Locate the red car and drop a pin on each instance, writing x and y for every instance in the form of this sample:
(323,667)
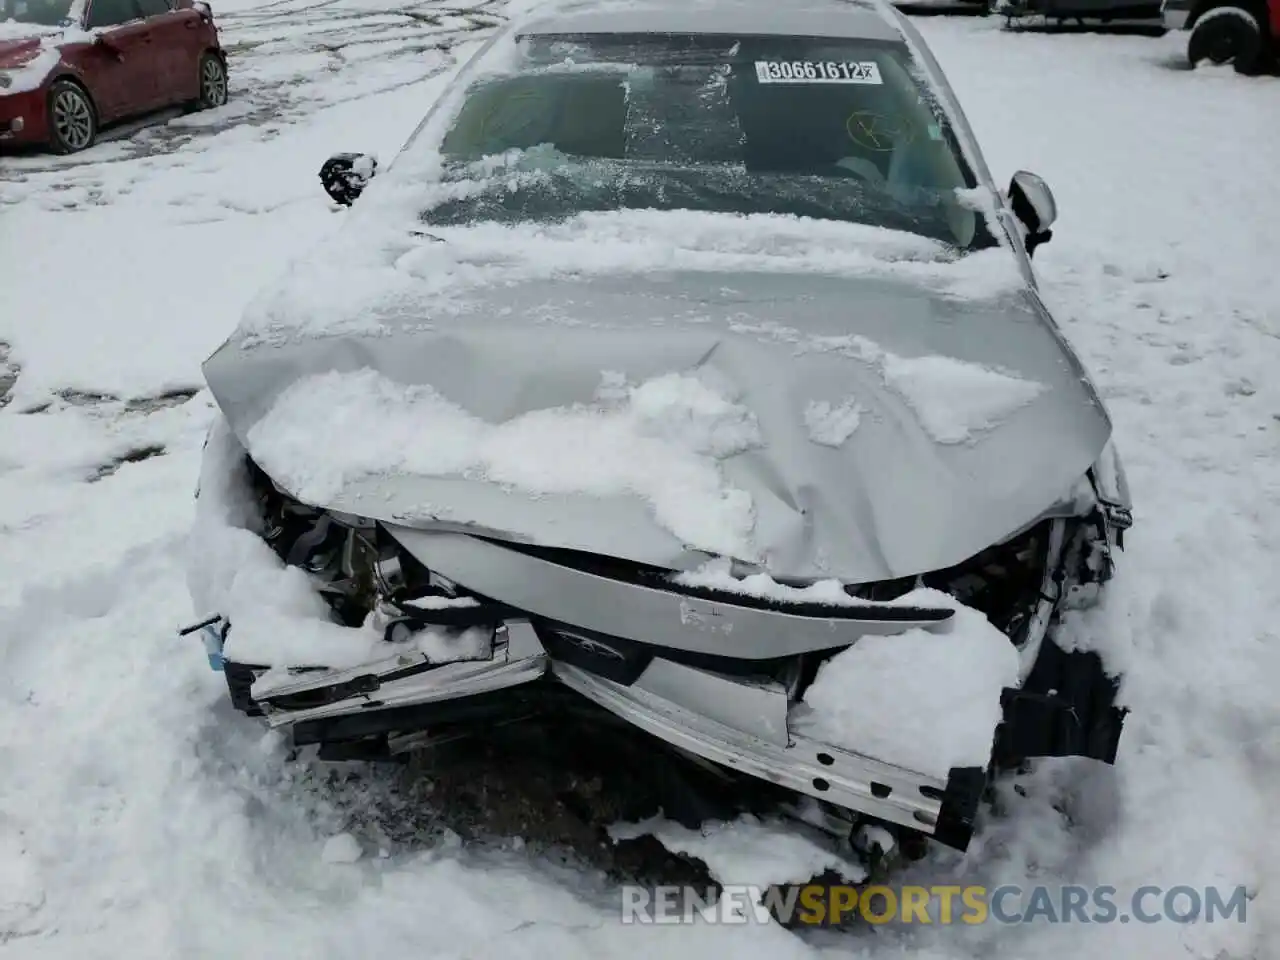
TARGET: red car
(70,67)
(1244,33)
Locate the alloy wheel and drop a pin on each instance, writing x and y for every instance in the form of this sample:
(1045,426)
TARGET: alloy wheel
(213,82)
(72,119)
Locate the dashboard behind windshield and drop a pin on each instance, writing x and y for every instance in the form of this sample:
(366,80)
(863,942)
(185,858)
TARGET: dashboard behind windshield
(831,129)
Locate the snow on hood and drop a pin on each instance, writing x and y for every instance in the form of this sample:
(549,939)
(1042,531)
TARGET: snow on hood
(30,52)
(384,264)
(665,415)
(371,277)
(660,440)
(12,32)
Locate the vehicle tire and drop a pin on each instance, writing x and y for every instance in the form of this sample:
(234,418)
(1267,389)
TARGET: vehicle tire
(213,82)
(73,119)
(1227,34)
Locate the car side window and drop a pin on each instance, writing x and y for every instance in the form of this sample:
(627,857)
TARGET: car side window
(154,8)
(108,13)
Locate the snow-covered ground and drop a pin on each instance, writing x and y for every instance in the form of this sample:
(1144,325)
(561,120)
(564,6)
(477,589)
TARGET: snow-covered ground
(140,816)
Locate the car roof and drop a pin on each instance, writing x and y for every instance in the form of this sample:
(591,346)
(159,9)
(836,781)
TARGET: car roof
(829,19)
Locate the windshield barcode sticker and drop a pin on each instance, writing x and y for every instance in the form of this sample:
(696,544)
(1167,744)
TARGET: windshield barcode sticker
(817,71)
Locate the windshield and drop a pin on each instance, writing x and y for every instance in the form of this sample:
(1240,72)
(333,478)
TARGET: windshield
(829,129)
(46,13)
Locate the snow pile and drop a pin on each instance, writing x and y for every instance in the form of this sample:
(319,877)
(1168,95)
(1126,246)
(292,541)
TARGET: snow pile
(432,602)
(750,850)
(279,619)
(341,848)
(832,424)
(445,646)
(953,399)
(277,613)
(925,699)
(928,700)
(364,648)
(661,440)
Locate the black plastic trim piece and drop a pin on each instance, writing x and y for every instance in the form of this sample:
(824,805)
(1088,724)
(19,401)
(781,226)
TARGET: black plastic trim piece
(482,614)
(656,578)
(240,677)
(1066,708)
(613,658)
(965,787)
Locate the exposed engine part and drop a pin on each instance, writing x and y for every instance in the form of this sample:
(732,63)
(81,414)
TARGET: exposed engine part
(1022,586)
(356,566)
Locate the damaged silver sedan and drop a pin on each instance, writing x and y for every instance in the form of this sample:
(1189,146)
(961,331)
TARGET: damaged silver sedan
(683,379)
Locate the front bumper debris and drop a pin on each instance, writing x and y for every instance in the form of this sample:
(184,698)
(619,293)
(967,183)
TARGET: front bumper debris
(742,724)
(706,675)
(942,808)
(516,657)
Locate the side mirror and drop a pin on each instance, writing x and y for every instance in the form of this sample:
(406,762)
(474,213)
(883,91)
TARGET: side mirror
(1033,204)
(345,175)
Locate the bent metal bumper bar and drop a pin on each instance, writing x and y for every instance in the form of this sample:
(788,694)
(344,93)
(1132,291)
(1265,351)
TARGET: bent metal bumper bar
(738,723)
(806,766)
(516,657)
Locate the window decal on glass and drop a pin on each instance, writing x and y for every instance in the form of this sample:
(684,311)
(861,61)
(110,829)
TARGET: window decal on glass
(818,71)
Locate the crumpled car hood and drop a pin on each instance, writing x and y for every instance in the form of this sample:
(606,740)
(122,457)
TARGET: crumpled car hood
(901,430)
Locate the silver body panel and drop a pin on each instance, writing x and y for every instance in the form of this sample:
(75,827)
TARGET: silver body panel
(807,766)
(632,611)
(516,658)
(889,502)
